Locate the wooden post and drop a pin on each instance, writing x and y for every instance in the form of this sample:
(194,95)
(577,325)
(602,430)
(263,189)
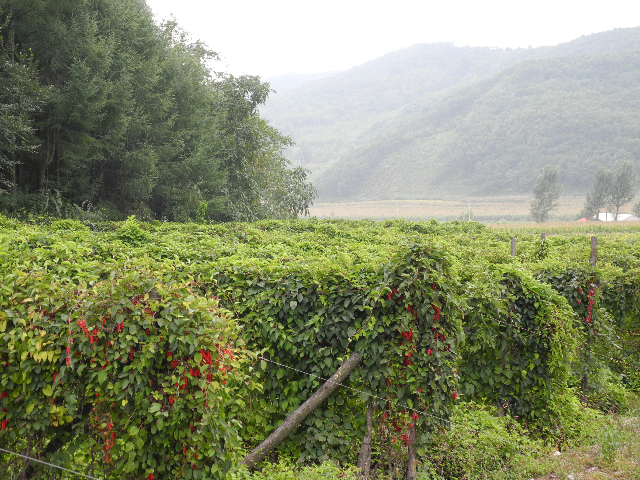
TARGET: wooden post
(411,468)
(513,246)
(293,420)
(593,259)
(543,237)
(364,459)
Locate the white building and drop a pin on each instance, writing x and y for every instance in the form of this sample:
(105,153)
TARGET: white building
(622,217)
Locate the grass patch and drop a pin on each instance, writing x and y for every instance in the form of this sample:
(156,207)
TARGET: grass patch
(512,208)
(484,446)
(607,447)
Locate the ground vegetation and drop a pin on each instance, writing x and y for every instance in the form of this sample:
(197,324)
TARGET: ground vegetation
(116,333)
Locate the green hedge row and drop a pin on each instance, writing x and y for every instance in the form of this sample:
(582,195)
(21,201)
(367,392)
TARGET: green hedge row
(438,311)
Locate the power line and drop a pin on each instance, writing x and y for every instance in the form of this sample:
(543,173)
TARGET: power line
(398,404)
(49,464)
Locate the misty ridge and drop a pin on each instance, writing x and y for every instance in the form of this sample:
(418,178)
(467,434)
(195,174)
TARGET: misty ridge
(436,120)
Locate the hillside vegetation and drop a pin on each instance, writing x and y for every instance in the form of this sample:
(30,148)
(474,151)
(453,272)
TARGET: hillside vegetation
(438,120)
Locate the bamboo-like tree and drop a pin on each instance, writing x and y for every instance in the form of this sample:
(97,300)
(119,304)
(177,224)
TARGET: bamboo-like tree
(21,97)
(610,190)
(598,194)
(546,193)
(136,120)
(623,188)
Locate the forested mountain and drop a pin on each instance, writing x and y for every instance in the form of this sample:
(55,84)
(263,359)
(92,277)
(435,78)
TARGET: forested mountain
(438,120)
(102,106)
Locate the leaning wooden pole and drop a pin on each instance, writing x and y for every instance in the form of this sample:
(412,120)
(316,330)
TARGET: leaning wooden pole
(293,420)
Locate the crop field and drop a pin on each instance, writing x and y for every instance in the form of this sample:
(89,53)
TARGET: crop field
(513,208)
(165,350)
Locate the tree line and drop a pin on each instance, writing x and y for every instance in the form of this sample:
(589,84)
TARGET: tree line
(104,109)
(610,190)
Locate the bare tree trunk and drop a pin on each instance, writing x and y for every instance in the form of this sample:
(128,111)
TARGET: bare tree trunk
(12,49)
(293,420)
(14,179)
(411,467)
(47,157)
(364,459)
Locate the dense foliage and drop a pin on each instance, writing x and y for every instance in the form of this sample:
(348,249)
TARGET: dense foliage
(199,339)
(105,110)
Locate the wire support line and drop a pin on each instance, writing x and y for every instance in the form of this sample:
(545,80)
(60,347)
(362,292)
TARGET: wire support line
(49,464)
(578,346)
(398,404)
(353,389)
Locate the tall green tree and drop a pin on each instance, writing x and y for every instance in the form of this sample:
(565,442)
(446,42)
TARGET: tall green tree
(610,190)
(546,193)
(598,194)
(623,188)
(135,119)
(21,97)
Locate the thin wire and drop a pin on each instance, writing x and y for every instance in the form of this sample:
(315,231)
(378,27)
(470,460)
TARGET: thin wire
(521,448)
(579,347)
(49,464)
(354,389)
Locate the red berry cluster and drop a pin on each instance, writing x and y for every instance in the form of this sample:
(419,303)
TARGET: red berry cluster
(398,424)
(590,294)
(436,315)
(206,357)
(408,334)
(109,437)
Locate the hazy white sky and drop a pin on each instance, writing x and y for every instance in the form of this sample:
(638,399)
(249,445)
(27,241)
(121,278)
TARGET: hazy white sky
(272,37)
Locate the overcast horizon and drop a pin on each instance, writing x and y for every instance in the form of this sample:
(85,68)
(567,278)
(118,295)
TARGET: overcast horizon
(287,36)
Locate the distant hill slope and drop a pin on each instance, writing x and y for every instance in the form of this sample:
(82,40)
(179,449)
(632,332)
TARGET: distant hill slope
(438,120)
(289,81)
(326,117)
(494,137)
